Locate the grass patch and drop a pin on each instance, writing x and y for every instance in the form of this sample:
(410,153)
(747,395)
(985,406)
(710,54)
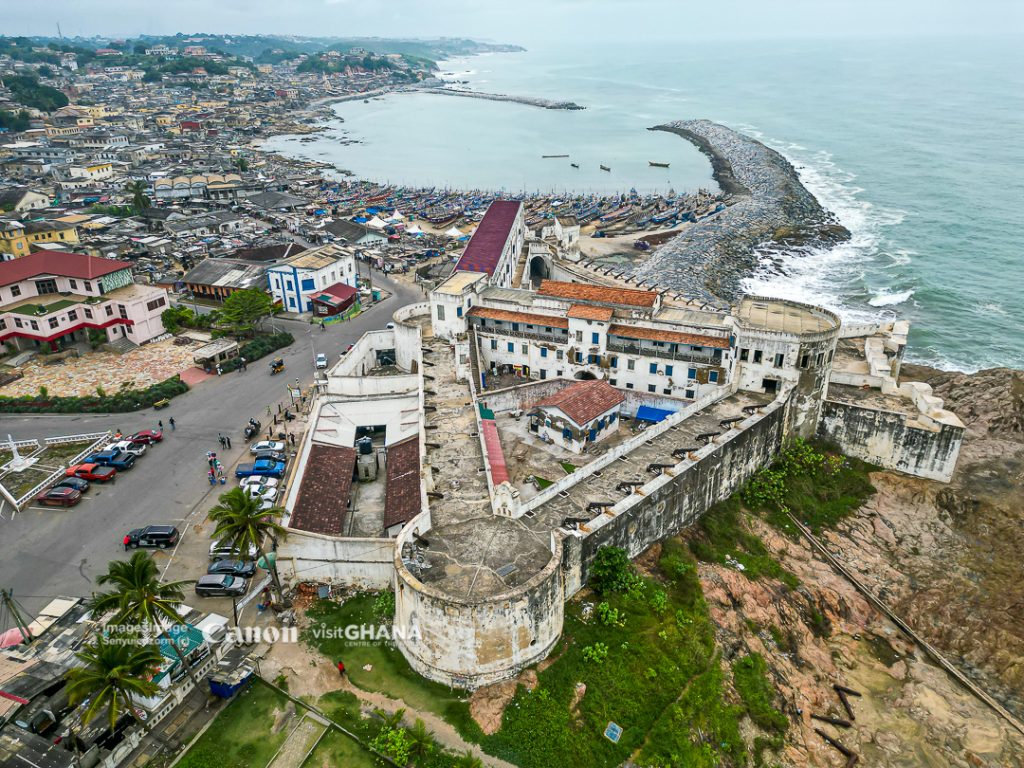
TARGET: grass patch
(391,673)
(724,536)
(20,483)
(542,482)
(750,676)
(568,467)
(241,737)
(55,455)
(335,748)
(660,675)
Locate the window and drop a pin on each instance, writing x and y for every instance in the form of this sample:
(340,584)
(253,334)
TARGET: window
(110,310)
(667,391)
(155,303)
(458,311)
(122,310)
(659,343)
(525,348)
(558,354)
(494,344)
(73,283)
(529,326)
(615,362)
(629,385)
(543,373)
(579,336)
(595,338)
(579,358)
(288,284)
(713,377)
(72,316)
(88,313)
(654,368)
(612,382)
(651,388)
(691,373)
(547,329)
(308,284)
(689,394)
(15,290)
(543,351)
(566,433)
(757,355)
(34,324)
(744,353)
(515,326)
(440,312)
(804,360)
(593,359)
(17,322)
(668,370)
(511,347)
(821,357)
(696,348)
(630,364)
(88,285)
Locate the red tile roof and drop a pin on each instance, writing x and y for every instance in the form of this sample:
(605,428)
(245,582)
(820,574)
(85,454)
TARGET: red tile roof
(484,250)
(491,313)
(656,334)
(597,293)
(495,456)
(58,263)
(584,401)
(586,312)
(402,487)
(322,505)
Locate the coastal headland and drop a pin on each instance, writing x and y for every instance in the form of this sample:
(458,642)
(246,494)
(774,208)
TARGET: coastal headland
(767,204)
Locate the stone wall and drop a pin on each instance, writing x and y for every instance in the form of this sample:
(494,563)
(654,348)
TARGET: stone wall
(892,440)
(366,563)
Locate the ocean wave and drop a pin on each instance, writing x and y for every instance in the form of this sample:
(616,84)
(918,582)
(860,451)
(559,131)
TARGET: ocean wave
(885,299)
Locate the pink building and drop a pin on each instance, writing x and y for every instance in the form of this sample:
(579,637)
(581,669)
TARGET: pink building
(55,298)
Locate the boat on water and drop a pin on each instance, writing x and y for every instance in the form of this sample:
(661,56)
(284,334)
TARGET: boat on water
(575,165)
(657,165)
(546,157)
(604,168)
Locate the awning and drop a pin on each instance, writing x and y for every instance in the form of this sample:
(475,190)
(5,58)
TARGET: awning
(653,415)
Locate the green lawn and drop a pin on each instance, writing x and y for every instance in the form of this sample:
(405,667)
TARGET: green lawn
(391,673)
(337,749)
(241,736)
(567,467)
(22,482)
(55,455)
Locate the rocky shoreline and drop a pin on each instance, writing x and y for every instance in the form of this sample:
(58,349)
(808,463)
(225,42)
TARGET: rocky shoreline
(768,205)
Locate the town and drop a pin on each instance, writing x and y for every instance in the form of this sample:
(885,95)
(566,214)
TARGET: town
(242,392)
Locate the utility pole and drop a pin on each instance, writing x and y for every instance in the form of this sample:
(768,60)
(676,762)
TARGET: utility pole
(7,604)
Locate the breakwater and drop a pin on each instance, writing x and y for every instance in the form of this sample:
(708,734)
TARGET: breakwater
(768,205)
(528,100)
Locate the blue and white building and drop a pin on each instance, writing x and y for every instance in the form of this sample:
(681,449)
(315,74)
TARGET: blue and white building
(294,281)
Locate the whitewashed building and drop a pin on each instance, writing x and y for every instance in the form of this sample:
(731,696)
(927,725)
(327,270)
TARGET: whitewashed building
(294,281)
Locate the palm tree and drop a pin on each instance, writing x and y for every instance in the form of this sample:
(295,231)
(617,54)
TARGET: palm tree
(117,671)
(391,719)
(467,760)
(140,201)
(422,741)
(139,597)
(242,523)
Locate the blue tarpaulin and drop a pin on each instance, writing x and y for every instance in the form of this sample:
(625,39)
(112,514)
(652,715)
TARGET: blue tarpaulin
(653,415)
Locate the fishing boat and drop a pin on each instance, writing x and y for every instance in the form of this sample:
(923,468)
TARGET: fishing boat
(604,168)
(575,165)
(657,165)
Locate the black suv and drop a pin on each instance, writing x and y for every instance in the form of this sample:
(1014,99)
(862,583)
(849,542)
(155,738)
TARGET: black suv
(158,536)
(243,568)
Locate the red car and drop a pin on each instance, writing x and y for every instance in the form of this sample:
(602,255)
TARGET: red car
(147,436)
(59,497)
(97,473)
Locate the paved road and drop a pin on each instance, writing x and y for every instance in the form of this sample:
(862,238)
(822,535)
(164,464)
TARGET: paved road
(50,552)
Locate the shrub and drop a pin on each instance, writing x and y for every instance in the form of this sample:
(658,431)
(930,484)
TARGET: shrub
(384,606)
(121,402)
(257,348)
(595,653)
(611,571)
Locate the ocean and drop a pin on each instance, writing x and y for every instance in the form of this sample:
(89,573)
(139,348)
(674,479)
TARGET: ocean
(916,145)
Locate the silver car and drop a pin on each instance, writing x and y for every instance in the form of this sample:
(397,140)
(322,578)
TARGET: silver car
(221,584)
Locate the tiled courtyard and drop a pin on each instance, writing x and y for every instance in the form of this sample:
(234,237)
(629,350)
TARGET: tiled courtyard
(138,368)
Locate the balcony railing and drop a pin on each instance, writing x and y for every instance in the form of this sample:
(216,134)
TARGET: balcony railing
(664,354)
(534,335)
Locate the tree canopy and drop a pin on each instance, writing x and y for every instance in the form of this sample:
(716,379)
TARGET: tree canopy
(243,310)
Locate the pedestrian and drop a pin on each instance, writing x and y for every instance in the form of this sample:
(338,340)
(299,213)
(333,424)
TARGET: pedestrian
(171,422)
(323,327)
(160,424)
(292,436)
(227,440)
(219,369)
(278,409)
(341,669)
(211,477)
(242,360)
(268,414)
(223,443)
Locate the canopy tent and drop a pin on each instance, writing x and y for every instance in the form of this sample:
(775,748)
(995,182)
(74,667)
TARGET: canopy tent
(653,415)
(376,223)
(454,232)
(396,216)
(414,230)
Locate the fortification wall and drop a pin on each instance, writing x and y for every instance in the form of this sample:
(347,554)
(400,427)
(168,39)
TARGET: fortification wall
(407,335)
(361,563)
(893,440)
(676,498)
(467,643)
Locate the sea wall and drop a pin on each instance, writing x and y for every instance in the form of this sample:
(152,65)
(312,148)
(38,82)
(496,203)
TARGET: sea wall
(893,440)
(769,204)
(528,100)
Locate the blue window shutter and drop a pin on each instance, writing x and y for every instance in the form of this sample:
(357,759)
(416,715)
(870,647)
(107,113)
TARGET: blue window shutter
(511,347)
(595,338)
(654,367)
(692,373)
(668,370)
(458,311)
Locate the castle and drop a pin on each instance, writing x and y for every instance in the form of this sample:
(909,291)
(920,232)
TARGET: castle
(478,455)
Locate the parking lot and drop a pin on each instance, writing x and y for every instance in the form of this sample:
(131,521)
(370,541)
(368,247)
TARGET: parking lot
(52,551)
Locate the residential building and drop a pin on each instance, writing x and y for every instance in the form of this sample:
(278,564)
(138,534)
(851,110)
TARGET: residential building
(583,413)
(353,233)
(56,298)
(18,199)
(18,238)
(496,244)
(218,278)
(294,281)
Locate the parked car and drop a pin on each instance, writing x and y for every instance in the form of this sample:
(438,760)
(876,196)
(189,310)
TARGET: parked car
(96,473)
(267,482)
(77,483)
(321,361)
(156,536)
(222,551)
(271,455)
(243,568)
(147,436)
(220,584)
(264,492)
(59,497)
(267,445)
(114,458)
(128,446)
(267,467)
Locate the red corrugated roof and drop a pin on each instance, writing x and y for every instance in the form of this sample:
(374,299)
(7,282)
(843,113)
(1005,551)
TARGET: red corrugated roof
(402,487)
(339,293)
(598,293)
(546,321)
(58,263)
(484,250)
(496,457)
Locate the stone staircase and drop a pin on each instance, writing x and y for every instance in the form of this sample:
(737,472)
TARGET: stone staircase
(474,363)
(120,346)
